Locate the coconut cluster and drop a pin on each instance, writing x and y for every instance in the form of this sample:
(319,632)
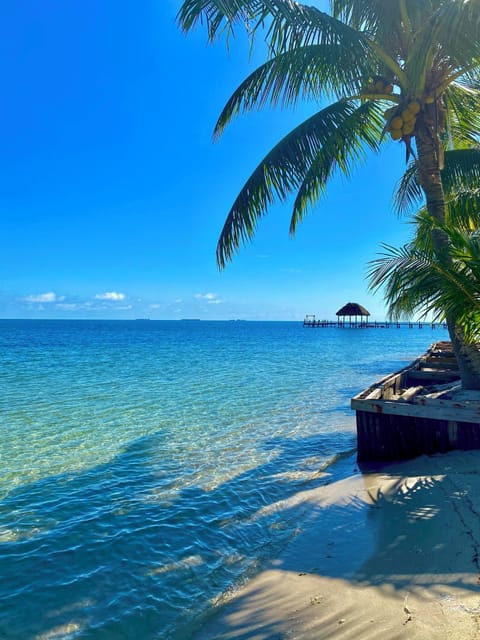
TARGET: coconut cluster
(378,85)
(401,119)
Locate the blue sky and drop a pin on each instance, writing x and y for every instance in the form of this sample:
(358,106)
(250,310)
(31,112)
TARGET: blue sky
(113,194)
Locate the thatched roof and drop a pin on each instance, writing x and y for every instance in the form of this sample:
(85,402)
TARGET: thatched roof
(353,309)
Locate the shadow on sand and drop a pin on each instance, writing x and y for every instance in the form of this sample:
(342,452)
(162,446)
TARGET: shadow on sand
(117,551)
(414,534)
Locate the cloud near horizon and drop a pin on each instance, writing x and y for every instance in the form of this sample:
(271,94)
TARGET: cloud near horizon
(110,295)
(211,298)
(50,296)
(68,306)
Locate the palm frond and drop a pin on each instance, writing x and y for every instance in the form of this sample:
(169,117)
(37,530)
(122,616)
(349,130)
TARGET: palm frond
(460,176)
(416,282)
(287,24)
(397,26)
(376,17)
(463,209)
(295,25)
(420,59)
(343,149)
(221,16)
(424,226)
(462,170)
(463,109)
(408,193)
(456,28)
(411,285)
(440,44)
(281,172)
(307,72)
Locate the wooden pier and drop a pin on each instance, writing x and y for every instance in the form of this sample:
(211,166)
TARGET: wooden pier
(418,410)
(310,322)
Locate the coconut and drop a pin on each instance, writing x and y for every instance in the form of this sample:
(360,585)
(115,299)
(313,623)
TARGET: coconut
(389,112)
(396,134)
(396,123)
(413,107)
(408,116)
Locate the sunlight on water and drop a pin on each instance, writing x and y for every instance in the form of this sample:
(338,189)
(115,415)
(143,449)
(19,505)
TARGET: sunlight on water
(147,467)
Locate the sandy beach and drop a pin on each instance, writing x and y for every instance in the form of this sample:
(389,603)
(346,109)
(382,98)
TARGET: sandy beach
(388,554)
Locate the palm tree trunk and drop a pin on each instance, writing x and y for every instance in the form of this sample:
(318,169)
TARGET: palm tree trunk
(468,356)
(429,164)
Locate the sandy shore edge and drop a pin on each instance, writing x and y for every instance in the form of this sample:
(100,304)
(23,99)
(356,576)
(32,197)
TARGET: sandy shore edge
(389,554)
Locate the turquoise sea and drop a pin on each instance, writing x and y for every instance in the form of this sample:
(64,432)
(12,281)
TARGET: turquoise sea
(148,468)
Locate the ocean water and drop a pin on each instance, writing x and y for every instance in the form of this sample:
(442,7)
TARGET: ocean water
(148,468)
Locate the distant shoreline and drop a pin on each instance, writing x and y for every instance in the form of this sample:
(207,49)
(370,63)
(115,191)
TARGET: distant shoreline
(332,323)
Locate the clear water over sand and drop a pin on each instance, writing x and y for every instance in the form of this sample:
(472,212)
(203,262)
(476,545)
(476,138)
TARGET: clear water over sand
(146,467)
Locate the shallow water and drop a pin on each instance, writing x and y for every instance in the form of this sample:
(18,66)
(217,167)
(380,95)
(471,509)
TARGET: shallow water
(148,467)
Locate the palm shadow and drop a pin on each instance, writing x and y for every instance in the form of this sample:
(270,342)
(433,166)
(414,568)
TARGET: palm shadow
(419,534)
(101,553)
(119,551)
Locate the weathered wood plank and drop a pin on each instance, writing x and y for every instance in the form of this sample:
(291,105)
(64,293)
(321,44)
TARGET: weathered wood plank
(375,394)
(434,408)
(433,364)
(418,410)
(410,393)
(435,374)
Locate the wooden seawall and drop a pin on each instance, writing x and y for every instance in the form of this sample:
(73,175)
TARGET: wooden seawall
(418,410)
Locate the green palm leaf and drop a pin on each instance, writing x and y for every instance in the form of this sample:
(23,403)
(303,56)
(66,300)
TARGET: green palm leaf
(463,109)
(460,175)
(309,72)
(463,209)
(221,16)
(408,192)
(326,135)
(367,15)
(289,24)
(416,282)
(343,149)
(456,29)
(462,170)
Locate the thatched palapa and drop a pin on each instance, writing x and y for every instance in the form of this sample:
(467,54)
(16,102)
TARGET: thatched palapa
(352,309)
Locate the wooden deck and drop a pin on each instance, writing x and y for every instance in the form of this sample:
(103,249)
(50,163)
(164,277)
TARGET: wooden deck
(311,322)
(418,410)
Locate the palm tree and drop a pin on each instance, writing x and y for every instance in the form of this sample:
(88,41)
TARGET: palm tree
(414,280)
(405,69)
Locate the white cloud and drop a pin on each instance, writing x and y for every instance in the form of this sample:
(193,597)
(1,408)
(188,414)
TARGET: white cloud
(110,295)
(42,297)
(155,306)
(68,306)
(214,302)
(206,296)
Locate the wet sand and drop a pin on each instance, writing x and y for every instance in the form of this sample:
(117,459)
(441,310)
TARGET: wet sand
(388,554)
